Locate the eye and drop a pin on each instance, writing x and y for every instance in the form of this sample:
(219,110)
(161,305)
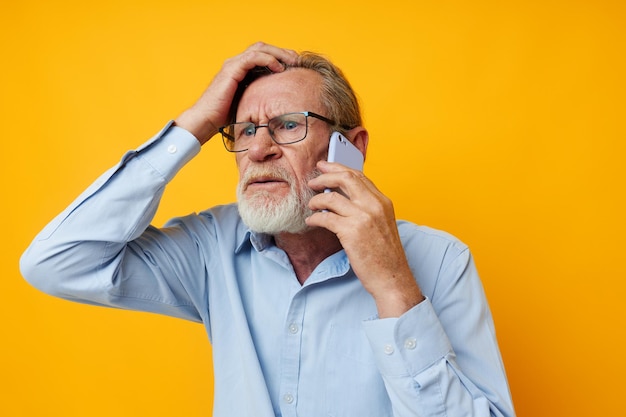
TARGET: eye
(247,131)
(289,124)
(290,127)
(286,123)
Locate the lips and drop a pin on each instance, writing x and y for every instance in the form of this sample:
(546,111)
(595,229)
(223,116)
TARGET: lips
(264,181)
(265,178)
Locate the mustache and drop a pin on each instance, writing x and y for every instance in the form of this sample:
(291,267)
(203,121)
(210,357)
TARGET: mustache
(255,172)
(273,172)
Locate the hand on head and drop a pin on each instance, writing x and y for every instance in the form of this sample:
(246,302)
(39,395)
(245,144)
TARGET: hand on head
(212,108)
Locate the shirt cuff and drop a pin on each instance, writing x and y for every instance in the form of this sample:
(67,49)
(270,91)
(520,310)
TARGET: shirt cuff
(169,150)
(409,344)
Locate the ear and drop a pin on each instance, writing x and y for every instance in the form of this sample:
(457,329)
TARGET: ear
(359,138)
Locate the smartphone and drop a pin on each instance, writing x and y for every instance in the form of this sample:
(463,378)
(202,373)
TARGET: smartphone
(342,151)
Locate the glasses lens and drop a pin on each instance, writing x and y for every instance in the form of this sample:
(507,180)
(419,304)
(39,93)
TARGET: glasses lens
(238,135)
(288,128)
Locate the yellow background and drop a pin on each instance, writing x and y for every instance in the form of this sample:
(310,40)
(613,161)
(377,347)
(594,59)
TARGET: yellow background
(502,122)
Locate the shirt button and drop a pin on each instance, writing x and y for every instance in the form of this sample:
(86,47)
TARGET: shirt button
(288,398)
(410,343)
(172,149)
(388,349)
(293,328)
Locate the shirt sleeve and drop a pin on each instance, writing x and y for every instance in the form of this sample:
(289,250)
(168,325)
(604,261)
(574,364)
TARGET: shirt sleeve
(92,251)
(441,358)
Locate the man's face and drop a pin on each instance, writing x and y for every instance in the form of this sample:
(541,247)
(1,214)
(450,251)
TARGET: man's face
(272,192)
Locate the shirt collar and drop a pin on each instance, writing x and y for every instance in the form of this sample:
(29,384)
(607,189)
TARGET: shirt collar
(336,265)
(260,241)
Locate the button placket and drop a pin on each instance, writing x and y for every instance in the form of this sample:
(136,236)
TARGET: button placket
(290,363)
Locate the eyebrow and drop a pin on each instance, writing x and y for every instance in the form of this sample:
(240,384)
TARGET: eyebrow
(257,121)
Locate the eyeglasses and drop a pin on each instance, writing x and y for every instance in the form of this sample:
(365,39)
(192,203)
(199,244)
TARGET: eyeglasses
(284,130)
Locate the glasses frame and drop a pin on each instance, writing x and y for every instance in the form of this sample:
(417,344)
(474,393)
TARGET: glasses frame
(228,138)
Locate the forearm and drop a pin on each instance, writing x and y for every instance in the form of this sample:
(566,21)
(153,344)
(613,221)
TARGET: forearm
(114,210)
(441,357)
(418,364)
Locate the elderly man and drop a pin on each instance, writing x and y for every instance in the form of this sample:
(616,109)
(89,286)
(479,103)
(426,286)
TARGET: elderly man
(315,303)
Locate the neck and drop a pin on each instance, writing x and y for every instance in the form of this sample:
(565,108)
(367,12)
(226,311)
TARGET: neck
(307,250)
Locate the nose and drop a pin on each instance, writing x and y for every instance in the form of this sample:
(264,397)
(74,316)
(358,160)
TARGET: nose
(263,148)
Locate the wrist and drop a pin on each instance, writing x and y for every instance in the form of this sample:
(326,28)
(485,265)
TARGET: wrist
(397,302)
(202,128)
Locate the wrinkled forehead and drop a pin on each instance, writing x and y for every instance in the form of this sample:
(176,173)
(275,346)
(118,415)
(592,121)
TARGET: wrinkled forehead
(261,84)
(295,89)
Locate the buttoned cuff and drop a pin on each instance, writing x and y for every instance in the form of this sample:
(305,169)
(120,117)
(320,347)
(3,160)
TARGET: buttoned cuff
(169,150)
(407,345)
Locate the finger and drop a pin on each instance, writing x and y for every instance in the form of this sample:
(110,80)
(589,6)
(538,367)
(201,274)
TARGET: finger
(321,219)
(347,180)
(330,220)
(326,168)
(269,56)
(285,55)
(332,201)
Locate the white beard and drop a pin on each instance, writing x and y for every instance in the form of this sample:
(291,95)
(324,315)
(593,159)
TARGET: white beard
(264,212)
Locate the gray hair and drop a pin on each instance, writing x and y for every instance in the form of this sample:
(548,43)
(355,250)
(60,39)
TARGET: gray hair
(337,96)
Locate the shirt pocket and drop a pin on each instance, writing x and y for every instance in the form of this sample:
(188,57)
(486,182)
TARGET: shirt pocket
(354,386)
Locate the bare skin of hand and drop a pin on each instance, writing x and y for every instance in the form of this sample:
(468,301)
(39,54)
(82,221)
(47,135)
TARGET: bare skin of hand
(366,216)
(211,110)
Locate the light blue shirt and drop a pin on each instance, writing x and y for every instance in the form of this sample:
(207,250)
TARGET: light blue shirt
(279,348)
